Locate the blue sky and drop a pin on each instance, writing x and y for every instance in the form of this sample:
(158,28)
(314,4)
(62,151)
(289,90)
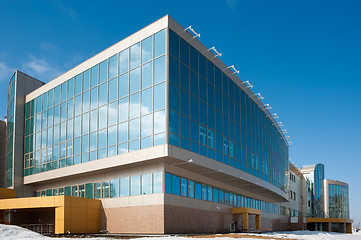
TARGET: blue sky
(302,56)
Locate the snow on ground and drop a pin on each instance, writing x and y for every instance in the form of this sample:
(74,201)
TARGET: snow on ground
(11,232)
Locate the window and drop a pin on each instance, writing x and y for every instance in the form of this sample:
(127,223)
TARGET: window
(147,184)
(124,186)
(135,185)
(175,185)
(184,187)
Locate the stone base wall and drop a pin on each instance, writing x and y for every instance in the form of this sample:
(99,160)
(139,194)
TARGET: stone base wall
(139,219)
(169,219)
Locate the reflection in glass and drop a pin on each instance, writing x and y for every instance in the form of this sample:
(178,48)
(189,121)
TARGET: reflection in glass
(147,184)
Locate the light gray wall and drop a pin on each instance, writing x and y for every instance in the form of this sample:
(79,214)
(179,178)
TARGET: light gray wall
(24,85)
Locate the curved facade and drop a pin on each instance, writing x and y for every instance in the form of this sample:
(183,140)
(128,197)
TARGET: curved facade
(338,202)
(211,115)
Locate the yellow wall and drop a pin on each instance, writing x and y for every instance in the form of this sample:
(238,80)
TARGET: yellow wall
(7,193)
(73,214)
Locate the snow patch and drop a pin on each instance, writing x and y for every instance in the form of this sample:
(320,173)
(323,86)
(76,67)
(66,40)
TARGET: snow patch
(11,232)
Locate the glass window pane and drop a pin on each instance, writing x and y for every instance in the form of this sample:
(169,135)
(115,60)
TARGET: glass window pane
(174,97)
(103,71)
(74,191)
(112,136)
(112,113)
(86,101)
(45,101)
(147,184)
(203,134)
(124,187)
(173,44)
(93,141)
(89,190)
(86,80)
(51,98)
(123,109)
(159,43)
(204,192)
(184,187)
(113,90)
(103,114)
(124,61)
(67,191)
(71,88)
(173,122)
(184,126)
(175,185)
(94,120)
(123,132)
(147,101)
(105,189)
(135,185)
(159,70)
(78,105)
(85,143)
(123,86)
(168,183)
(174,71)
(184,51)
(147,75)
(97,190)
(56,95)
(134,80)
(114,188)
(102,138)
(94,76)
(190,189)
(157,182)
(147,49)
(198,191)
(103,94)
(94,98)
(113,66)
(159,122)
(135,55)
(215,195)
(78,84)
(63,92)
(134,129)
(146,142)
(159,99)
(134,110)
(147,125)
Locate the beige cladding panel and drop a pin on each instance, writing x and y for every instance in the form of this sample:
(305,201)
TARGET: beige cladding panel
(140,158)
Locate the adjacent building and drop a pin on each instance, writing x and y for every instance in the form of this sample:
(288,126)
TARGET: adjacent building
(327,201)
(165,135)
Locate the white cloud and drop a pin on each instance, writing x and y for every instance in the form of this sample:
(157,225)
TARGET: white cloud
(41,69)
(5,72)
(47,46)
(232,4)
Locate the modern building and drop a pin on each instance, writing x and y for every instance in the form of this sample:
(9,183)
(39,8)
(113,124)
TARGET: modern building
(162,132)
(327,201)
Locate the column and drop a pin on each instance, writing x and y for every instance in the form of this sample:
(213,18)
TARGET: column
(245,221)
(258,222)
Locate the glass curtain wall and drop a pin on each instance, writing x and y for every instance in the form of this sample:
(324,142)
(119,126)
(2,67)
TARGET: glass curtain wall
(10,132)
(318,203)
(338,201)
(210,115)
(108,109)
